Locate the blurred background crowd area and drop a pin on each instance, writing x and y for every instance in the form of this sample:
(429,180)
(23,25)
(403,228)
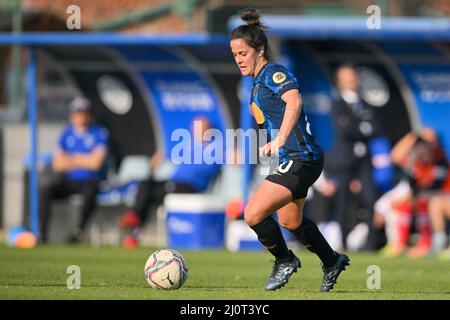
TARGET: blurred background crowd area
(142,93)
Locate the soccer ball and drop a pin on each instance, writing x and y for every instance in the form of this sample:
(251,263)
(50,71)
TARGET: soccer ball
(166,269)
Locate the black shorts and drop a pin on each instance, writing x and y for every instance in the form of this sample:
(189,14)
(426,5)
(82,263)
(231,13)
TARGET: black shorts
(297,175)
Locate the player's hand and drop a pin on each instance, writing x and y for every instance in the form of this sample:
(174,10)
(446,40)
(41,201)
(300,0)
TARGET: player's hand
(265,150)
(272,147)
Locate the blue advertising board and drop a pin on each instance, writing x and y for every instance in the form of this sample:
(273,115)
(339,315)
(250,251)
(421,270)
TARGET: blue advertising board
(430,87)
(177,89)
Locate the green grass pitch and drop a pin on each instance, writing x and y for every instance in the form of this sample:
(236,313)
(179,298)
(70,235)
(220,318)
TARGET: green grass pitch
(115,273)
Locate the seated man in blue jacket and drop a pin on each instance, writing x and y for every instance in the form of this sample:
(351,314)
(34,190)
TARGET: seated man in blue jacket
(78,160)
(186,178)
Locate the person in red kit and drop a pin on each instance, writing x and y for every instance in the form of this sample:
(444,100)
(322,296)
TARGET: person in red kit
(425,166)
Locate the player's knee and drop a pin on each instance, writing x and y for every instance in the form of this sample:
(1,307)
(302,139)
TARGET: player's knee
(291,225)
(251,215)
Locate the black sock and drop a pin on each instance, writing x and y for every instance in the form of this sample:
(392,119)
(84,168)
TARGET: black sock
(310,236)
(269,234)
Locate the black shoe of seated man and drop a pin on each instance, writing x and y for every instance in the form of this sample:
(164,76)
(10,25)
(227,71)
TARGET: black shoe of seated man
(281,272)
(331,274)
(76,237)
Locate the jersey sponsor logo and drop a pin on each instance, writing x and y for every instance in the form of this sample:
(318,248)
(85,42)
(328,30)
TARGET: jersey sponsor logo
(257,113)
(278,77)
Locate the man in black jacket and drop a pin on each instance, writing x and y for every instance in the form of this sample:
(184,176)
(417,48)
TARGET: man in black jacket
(348,163)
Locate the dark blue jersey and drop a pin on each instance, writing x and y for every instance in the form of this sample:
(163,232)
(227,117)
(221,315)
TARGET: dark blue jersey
(268,109)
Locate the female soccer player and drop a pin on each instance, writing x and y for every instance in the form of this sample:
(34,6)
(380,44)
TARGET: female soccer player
(276,104)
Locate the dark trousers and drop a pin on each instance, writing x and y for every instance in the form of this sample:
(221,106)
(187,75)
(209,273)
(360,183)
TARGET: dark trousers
(342,201)
(62,188)
(152,192)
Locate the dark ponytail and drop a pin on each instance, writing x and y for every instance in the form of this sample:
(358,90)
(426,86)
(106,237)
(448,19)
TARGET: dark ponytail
(252,17)
(253,33)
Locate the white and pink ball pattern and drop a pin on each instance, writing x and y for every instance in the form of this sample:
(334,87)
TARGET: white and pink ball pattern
(166,269)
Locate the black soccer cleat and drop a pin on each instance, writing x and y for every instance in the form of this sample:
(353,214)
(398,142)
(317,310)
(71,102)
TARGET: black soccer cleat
(281,272)
(331,274)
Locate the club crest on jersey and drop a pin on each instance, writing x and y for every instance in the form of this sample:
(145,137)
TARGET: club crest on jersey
(278,77)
